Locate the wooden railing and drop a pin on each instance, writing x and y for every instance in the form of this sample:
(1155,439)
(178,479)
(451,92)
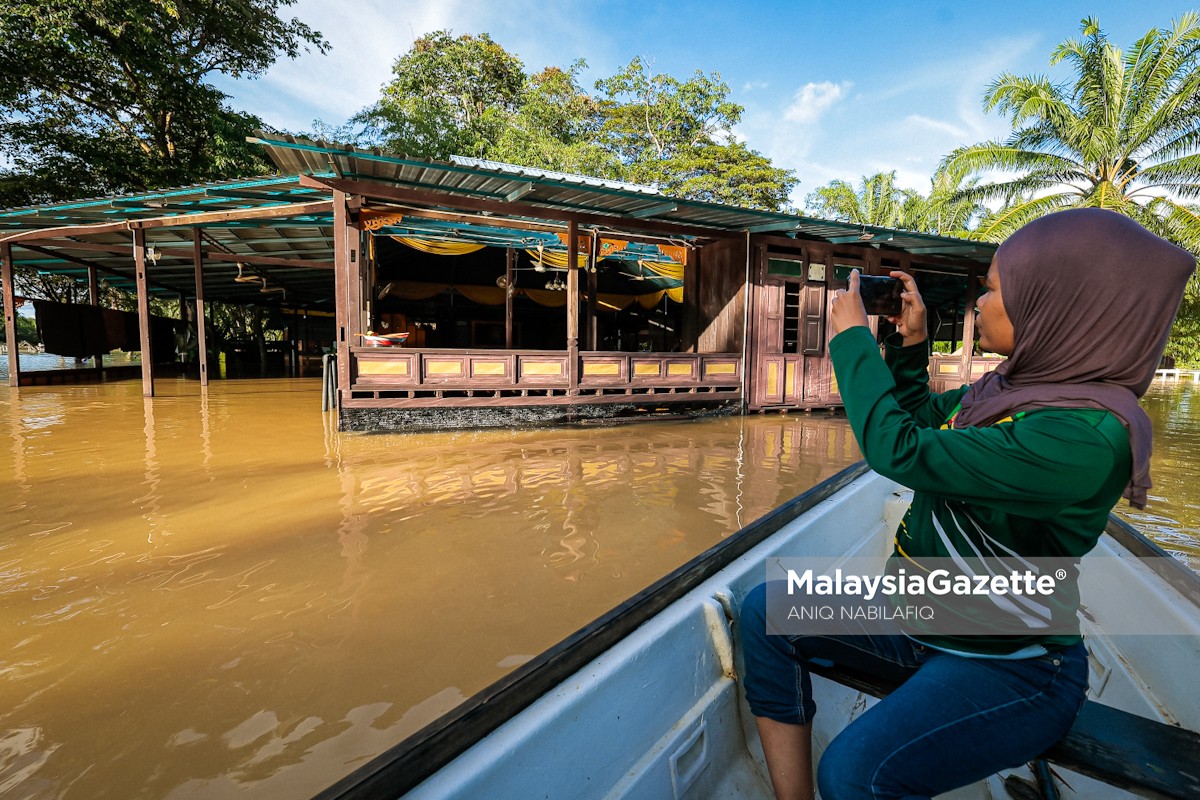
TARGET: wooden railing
(946,371)
(426,377)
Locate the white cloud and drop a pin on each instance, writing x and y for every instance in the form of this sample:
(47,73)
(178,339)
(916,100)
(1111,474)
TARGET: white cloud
(365,38)
(754,86)
(937,125)
(812,100)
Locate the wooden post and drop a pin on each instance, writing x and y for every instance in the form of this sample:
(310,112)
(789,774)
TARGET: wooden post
(346,291)
(572,308)
(593,283)
(94,300)
(691,302)
(93,286)
(10,315)
(201,334)
(968,331)
(510,260)
(143,302)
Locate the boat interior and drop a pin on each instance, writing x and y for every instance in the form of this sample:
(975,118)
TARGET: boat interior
(658,713)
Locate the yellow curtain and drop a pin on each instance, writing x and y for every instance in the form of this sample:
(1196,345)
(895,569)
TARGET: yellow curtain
(412,290)
(545,297)
(439,248)
(557,260)
(613,302)
(484,295)
(665,269)
(649,301)
(494,296)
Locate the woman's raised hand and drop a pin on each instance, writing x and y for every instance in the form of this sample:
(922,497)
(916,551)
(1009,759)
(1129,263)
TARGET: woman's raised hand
(910,323)
(846,308)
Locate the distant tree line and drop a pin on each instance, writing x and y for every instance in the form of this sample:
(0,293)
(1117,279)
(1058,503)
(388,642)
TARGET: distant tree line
(468,96)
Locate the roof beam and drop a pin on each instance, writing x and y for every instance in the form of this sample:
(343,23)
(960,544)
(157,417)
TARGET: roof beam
(266,261)
(946,249)
(497,222)
(610,221)
(209,255)
(655,210)
(260,212)
(775,226)
(93,265)
(519,192)
(201,218)
(858,238)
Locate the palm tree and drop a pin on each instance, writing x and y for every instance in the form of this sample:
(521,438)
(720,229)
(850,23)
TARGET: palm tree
(1125,136)
(876,201)
(948,209)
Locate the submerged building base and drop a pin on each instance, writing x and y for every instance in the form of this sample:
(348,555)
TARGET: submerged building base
(372,420)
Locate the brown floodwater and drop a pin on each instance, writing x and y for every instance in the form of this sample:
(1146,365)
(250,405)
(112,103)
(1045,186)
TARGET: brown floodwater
(217,595)
(1172,517)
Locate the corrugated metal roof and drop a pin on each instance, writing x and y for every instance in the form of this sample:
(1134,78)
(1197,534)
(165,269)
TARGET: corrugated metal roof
(309,236)
(491,180)
(565,177)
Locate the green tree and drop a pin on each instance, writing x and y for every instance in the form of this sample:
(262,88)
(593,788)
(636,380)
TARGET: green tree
(1124,136)
(101,96)
(947,210)
(557,127)
(677,135)
(26,330)
(876,201)
(449,96)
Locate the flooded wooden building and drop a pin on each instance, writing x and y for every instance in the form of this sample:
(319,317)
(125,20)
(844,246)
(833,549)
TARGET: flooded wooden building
(476,294)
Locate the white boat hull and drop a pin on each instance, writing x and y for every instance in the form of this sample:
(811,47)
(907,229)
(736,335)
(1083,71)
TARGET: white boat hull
(659,715)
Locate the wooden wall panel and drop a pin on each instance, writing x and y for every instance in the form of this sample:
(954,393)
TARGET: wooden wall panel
(721,301)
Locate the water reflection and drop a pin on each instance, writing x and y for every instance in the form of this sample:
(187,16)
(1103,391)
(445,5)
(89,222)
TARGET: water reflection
(1172,517)
(215,592)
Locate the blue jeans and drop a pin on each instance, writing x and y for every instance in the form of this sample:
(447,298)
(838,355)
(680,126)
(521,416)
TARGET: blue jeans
(953,721)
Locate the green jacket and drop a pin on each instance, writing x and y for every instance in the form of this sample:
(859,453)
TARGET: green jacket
(1040,483)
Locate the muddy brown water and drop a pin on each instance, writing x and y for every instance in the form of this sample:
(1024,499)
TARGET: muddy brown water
(216,595)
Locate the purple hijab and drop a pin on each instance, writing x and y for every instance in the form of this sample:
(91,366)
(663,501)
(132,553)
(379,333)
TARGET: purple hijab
(1091,295)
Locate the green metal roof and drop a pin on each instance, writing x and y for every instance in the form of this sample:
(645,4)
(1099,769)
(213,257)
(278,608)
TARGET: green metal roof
(308,236)
(628,204)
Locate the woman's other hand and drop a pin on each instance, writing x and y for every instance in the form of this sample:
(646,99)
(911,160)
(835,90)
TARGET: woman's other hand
(911,322)
(846,310)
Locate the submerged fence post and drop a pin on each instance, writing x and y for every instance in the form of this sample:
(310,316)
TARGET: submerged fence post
(329,381)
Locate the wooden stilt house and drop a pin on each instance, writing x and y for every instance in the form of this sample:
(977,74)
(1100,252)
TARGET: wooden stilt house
(476,294)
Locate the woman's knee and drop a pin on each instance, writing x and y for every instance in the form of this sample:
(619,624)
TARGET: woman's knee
(842,773)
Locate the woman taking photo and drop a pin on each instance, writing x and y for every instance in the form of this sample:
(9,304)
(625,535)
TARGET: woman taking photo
(1028,460)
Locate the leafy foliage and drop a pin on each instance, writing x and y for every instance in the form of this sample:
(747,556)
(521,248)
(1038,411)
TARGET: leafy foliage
(557,127)
(466,95)
(450,96)
(26,330)
(677,135)
(1184,344)
(101,96)
(876,201)
(948,209)
(1124,136)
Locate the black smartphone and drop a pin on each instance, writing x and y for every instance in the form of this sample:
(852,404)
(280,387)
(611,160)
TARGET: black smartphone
(881,294)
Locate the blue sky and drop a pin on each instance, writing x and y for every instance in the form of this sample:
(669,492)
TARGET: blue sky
(830,89)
